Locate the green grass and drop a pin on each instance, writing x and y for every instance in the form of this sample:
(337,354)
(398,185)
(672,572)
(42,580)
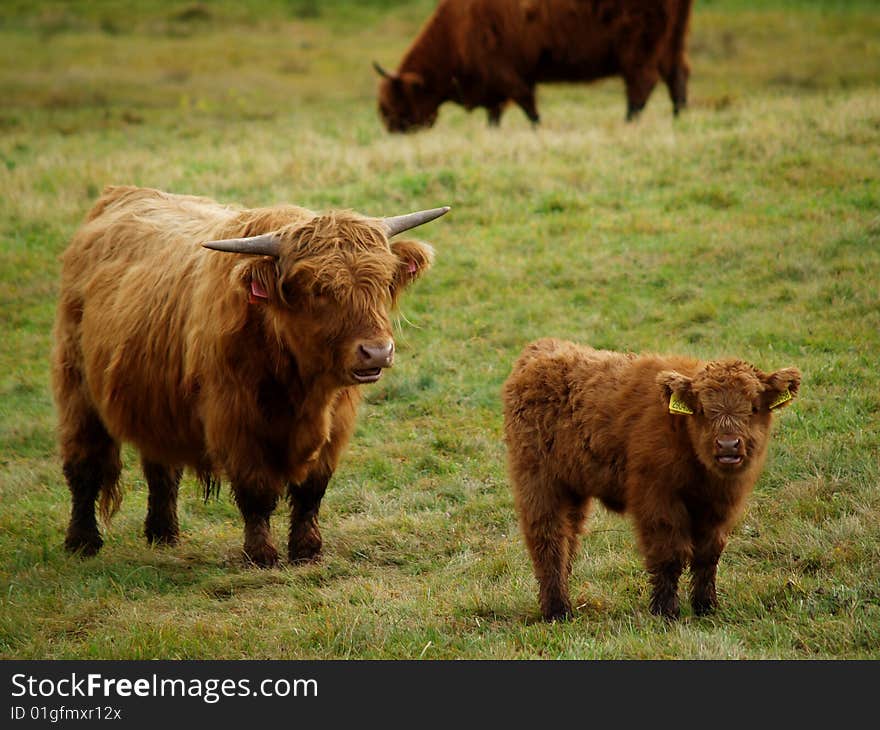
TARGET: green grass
(749,227)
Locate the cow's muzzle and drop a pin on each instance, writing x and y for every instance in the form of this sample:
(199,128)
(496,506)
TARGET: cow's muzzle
(729,451)
(372,359)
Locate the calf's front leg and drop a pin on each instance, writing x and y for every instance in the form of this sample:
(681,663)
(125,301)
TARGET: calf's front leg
(664,586)
(664,536)
(704,566)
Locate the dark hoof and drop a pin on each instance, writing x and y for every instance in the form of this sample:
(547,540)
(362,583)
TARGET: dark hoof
(557,612)
(633,112)
(84,545)
(305,547)
(162,539)
(161,531)
(669,610)
(262,556)
(552,618)
(704,608)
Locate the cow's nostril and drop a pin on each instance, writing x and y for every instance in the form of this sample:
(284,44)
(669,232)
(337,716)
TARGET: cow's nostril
(728,444)
(373,356)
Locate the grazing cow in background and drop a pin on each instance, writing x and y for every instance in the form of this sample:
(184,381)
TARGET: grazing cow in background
(677,443)
(486,52)
(242,362)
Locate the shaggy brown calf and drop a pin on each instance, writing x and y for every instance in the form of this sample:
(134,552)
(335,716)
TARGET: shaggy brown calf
(675,442)
(486,52)
(242,362)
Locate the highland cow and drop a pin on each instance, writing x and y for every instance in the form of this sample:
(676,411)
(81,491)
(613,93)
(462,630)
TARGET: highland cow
(483,53)
(675,442)
(231,341)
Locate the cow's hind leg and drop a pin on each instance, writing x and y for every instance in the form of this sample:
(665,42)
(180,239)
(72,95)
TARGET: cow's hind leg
(304,543)
(91,467)
(160,526)
(256,506)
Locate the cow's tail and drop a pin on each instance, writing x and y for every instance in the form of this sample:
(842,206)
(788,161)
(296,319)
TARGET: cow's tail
(210,482)
(109,499)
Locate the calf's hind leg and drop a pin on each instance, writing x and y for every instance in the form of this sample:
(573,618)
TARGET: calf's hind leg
(161,526)
(547,525)
(578,511)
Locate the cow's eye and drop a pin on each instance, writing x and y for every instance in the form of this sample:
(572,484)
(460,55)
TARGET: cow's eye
(754,410)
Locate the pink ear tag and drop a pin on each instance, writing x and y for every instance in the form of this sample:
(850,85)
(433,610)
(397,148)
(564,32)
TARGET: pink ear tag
(257,293)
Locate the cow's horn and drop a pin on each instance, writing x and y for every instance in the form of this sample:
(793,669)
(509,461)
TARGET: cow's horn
(400,223)
(265,244)
(381,71)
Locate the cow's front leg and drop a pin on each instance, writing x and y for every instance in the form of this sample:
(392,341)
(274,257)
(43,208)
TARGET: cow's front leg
(305,498)
(256,505)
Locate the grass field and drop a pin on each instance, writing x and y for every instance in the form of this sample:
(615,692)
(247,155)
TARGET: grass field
(749,227)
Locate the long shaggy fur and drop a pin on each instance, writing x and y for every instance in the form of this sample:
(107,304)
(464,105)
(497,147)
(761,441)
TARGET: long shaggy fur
(486,52)
(156,343)
(582,423)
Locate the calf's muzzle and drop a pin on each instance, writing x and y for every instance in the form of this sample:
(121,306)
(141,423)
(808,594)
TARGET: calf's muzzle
(372,358)
(729,450)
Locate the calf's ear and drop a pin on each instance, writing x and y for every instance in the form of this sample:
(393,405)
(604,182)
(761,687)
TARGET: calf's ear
(780,388)
(678,396)
(412,259)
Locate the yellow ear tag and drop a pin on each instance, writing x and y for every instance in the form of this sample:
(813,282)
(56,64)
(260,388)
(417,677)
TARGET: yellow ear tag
(780,399)
(677,405)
